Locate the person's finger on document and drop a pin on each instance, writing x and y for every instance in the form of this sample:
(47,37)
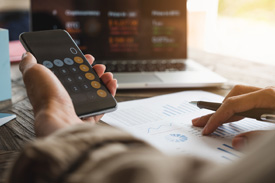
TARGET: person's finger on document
(264,98)
(230,106)
(236,90)
(202,121)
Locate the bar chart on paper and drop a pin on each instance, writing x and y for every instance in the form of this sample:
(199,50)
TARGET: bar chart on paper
(165,123)
(183,108)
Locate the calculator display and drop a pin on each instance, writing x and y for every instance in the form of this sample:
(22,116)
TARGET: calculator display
(57,51)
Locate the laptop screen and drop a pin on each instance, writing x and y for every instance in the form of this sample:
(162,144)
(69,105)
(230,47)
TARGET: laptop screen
(118,29)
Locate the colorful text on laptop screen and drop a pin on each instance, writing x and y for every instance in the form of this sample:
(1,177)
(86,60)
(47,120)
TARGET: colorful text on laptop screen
(118,29)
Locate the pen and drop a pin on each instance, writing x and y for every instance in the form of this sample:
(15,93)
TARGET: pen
(261,114)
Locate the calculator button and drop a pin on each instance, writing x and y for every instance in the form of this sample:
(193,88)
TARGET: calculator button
(86,87)
(84,68)
(73,50)
(75,89)
(95,84)
(91,96)
(78,60)
(74,69)
(68,61)
(48,64)
(63,71)
(58,63)
(79,78)
(101,93)
(78,98)
(90,76)
(69,79)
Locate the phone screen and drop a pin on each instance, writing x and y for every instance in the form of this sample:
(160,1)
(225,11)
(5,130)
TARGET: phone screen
(57,51)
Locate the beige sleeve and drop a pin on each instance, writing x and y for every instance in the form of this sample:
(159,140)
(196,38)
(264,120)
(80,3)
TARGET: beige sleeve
(257,166)
(86,154)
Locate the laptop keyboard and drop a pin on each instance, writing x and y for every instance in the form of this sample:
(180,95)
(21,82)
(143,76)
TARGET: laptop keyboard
(144,66)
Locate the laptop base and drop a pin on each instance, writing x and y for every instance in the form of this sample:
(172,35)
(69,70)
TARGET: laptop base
(194,77)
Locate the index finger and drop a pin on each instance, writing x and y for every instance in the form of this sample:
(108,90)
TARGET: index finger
(258,99)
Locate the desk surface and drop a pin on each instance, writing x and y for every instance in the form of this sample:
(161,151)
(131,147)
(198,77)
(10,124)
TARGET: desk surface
(17,132)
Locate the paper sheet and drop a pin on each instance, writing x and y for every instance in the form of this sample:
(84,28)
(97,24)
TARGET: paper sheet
(165,122)
(4,118)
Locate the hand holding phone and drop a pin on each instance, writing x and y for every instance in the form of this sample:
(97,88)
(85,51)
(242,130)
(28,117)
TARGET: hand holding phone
(57,51)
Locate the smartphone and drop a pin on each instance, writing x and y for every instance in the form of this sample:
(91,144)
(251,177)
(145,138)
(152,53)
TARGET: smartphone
(56,50)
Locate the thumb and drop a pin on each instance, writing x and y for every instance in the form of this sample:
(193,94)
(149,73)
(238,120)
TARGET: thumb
(27,62)
(244,140)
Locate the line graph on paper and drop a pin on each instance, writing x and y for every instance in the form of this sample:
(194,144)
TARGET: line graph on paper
(152,130)
(166,123)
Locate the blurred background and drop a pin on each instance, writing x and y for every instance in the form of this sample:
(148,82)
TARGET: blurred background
(238,28)
(14,16)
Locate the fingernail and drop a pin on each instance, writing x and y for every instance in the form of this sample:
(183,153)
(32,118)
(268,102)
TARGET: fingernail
(239,143)
(24,55)
(195,121)
(205,131)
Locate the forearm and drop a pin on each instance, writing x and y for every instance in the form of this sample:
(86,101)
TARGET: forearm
(86,153)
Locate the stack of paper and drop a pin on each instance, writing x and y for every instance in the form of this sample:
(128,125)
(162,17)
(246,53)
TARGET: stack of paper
(165,122)
(4,118)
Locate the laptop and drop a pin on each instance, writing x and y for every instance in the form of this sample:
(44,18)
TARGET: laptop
(143,42)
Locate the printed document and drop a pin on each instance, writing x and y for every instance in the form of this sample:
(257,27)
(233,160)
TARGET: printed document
(4,118)
(165,122)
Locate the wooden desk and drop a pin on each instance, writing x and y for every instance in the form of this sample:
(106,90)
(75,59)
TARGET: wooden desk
(16,133)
